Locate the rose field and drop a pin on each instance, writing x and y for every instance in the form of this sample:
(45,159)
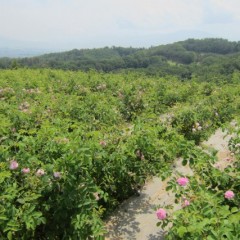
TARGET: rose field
(74,145)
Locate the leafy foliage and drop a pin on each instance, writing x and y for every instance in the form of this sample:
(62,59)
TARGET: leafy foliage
(90,140)
(210,202)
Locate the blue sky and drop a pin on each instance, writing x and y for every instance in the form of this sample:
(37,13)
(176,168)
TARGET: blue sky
(67,24)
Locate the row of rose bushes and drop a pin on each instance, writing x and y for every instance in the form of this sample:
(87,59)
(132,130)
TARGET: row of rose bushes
(81,143)
(210,200)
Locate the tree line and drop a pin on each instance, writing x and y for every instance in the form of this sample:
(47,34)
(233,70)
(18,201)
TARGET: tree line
(185,59)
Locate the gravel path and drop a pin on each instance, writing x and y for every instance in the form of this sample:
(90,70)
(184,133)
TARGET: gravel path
(136,218)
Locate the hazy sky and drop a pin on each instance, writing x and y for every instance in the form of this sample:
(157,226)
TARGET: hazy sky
(70,24)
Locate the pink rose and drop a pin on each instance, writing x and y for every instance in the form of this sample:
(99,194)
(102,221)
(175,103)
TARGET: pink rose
(186,203)
(57,174)
(161,213)
(40,172)
(103,143)
(13,165)
(26,170)
(229,194)
(182,181)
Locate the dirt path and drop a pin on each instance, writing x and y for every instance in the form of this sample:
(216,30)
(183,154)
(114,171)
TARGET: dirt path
(219,141)
(136,218)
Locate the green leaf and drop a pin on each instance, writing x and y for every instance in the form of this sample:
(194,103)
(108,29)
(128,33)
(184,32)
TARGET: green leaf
(181,231)
(228,234)
(21,200)
(234,209)
(214,233)
(210,238)
(4,175)
(234,218)
(168,187)
(191,161)
(9,235)
(184,162)
(4,218)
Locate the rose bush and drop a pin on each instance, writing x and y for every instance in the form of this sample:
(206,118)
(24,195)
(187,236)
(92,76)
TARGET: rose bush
(209,209)
(74,145)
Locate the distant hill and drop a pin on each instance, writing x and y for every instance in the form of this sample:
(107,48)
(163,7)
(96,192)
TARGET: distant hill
(21,53)
(13,48)
(184,58)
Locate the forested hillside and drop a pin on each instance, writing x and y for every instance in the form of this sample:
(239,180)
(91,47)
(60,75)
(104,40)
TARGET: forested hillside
(184,59)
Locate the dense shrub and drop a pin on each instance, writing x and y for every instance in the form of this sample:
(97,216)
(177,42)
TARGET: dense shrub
(74,145)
